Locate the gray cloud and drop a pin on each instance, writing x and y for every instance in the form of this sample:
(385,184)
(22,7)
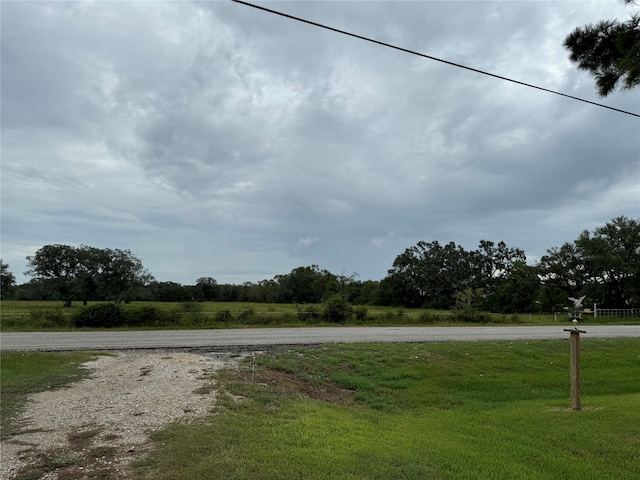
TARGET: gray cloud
(213,139)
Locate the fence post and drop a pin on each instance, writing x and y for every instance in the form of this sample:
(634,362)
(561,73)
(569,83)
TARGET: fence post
(575,366)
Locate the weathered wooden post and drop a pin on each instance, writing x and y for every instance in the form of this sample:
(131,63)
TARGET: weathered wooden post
(575,366)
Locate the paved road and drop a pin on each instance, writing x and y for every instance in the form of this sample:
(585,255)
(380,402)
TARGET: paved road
(261,337)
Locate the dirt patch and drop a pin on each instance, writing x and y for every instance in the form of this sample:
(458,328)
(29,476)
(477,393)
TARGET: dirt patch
(95,428)
(288,384)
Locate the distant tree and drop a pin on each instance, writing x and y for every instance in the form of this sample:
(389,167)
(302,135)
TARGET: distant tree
(368,293)
(58,266)
(170,292)
(231,293)
(86,272)
(7,281)
(604,265)
(517,292)
(302,285)
(264,291)
(208,288)
(492,263)
(121,273)
(611,258)
(35,289)
(609,51)
(428,275)
(562,271)
(470,299)
(431,275)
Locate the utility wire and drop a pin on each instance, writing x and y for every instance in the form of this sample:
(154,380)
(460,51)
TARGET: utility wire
(291,17)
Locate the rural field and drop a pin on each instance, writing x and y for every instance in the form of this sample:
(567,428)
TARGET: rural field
(18,315)
(473,410)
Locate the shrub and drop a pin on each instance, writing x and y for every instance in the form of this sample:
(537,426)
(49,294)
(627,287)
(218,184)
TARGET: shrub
(427,318)
(104,315)
(246,315)
(147,317)
(361,313)
(50,318)
(471,316)
(337,310)
(307,313)
(224,316)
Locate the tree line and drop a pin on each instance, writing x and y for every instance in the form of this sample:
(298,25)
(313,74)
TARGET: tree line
(604,265)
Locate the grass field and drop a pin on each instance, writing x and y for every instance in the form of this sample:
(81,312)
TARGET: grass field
(470,410)
(438,411)
(50,316)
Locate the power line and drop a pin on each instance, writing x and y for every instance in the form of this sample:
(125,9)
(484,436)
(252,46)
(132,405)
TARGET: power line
(412,52)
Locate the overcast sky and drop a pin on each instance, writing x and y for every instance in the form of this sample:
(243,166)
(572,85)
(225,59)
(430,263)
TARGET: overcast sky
(214,139)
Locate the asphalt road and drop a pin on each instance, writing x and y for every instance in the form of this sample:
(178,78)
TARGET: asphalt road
(262,337)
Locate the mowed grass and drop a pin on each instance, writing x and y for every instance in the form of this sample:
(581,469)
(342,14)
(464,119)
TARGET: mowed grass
(22,373)
(481,410)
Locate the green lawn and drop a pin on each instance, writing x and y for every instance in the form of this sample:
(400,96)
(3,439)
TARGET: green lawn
(404,411)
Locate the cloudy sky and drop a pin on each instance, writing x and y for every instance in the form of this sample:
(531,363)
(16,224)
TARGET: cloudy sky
(214,139)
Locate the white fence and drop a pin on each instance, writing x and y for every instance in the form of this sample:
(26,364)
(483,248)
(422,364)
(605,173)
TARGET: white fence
(616,312)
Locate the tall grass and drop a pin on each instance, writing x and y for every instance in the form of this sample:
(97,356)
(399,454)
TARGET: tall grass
(445,411)
(49,316)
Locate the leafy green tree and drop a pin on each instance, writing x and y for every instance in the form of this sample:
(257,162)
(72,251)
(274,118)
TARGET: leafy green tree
(603,265)
(230,293)
(368,293)
(121,272)
(470,299)
(429,274)
(87,272)
(207,289)
(58,266)
(492,263)
(517,292)
(304,285)
(562,270)
(609,51)
(611,258)
(7,281)
(170,292)
(264,291)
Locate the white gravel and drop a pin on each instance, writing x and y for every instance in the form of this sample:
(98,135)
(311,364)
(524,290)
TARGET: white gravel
(127,396)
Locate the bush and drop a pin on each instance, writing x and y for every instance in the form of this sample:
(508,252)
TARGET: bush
(337,310)
(429,318)
(51,318)
(361,313)
(147,317)
(247,315)
(471,316)
(104,315)
(224,316)
(307,313)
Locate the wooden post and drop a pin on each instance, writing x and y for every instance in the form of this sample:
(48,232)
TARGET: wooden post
(575,366)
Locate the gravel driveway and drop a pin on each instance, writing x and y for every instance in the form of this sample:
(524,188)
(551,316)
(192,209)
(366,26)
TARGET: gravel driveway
(101,423)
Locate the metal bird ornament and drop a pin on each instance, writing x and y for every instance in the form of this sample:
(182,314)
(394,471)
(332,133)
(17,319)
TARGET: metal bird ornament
(577,302)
